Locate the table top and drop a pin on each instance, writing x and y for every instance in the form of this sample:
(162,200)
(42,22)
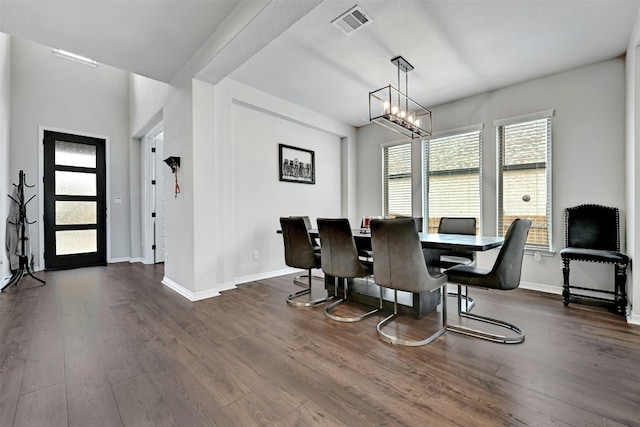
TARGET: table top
(460,242)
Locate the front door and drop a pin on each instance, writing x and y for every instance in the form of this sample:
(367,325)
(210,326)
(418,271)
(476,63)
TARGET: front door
(75,210)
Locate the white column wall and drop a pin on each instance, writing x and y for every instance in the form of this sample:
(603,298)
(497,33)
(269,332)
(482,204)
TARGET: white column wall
(5,119)
(179,211)
(633,169)
(239,196)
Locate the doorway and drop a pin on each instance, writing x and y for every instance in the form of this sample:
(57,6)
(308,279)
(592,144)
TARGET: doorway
(153,185)
(75,210)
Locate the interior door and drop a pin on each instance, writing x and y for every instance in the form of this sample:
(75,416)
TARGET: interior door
(159,167)
(75,211)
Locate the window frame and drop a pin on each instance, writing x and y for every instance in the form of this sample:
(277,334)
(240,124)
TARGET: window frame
(385,199)
(548,165)
(426,174)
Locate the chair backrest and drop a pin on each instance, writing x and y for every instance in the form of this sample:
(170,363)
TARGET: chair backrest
(398,259)
(592,227)
(416,219)
(457,225)
(338,249)
(507,269)
(307,222)
(298,249)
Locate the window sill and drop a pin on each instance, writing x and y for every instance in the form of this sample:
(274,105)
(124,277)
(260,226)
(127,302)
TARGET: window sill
(541,252)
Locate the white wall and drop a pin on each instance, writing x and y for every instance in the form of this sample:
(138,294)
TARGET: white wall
(52,92)
(179,211)
(237,195)
(149,102)
(588,154)
(5,118)
(263,198)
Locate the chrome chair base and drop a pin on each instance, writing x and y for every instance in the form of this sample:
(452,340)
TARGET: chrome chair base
(291,298)
(298,280)
(468,302)
(519,338)
(357,318)
(411,343)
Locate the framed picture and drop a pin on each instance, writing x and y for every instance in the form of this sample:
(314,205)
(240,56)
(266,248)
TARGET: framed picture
(297,165)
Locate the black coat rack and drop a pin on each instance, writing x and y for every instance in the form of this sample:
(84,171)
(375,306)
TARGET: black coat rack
(21,225)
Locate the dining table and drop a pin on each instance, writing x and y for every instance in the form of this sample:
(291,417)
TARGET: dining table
(415,304)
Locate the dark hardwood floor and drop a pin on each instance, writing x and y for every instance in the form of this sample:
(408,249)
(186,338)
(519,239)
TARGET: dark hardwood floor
(113,346)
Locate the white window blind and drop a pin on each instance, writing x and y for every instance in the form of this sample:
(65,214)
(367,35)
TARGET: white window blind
(524,181)
(452,177)
(397,180)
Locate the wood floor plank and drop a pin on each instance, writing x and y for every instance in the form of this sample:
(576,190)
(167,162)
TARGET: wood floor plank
(140,404)
(45,360)
(114,346)
(90,400)
(18,305)
(311,414)
(44,407)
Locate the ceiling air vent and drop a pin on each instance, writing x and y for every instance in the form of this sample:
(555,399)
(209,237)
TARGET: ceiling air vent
(352,20)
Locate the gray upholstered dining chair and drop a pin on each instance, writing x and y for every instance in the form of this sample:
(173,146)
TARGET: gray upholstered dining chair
(456,225)
(417,219)
(504,275)
(399,264)
(340,260)
(299,253)
(307,223)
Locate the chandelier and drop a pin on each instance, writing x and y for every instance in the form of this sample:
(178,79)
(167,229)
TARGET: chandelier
(393,109)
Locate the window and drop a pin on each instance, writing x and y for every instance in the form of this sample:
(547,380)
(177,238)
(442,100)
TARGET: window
(524,175)
(397,179)
(452,176)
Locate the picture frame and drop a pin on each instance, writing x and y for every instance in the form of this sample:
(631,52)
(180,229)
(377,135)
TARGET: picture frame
(296,165)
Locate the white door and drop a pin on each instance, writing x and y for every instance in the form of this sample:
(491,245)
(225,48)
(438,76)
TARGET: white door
(154,169)
(160,171)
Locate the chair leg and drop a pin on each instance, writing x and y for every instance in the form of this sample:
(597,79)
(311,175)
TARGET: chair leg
(412,343)
(621,289)
(357,318)
(303,280)
(291,298)
(519,338)
(468,301)
(566,293)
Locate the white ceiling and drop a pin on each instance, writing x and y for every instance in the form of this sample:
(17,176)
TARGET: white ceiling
(147,37)
(458,48)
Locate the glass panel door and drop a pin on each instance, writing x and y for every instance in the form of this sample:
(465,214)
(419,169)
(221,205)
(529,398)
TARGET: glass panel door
(75,205)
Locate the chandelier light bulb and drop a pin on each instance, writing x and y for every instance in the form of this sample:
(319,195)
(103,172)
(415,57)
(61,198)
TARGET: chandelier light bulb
(403,114)
(385,107)
(394,109)
(416,122)
(410,118)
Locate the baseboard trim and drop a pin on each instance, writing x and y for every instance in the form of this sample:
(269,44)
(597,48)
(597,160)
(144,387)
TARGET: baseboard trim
(549,289)
(195,296)
(134,260)
(117,260)
(266,275)
(633,319)
(4,281)
(214,292)
(178,288)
